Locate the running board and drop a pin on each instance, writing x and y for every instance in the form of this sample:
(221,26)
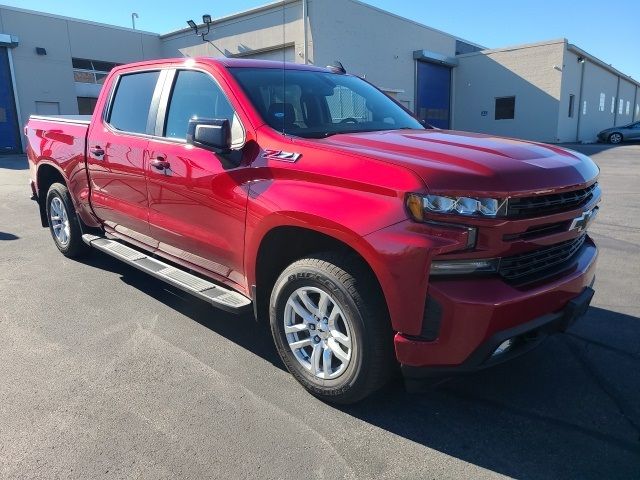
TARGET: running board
(216,295)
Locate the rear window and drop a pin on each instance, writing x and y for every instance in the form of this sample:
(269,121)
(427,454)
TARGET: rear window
(130,107)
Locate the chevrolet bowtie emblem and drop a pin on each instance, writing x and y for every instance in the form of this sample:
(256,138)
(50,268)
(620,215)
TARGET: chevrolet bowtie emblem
(582,222)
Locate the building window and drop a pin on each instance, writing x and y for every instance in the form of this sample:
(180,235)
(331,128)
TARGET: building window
(613,104)
(602,100)
(86,105)
(505,108)
(628,109)
(91,71)
(620,105)
(572,101)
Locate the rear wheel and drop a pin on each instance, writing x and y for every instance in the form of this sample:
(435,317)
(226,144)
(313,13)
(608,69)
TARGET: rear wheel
(331,328)
(615,138)
(64,224)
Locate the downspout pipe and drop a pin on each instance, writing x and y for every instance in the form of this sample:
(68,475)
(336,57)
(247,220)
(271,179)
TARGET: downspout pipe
(580,107)
(617,105)
(305,49)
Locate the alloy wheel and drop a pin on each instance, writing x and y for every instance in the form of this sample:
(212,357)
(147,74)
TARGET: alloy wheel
(59,221)
(318,332)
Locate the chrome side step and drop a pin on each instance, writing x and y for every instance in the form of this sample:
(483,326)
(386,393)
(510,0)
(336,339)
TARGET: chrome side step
(216,295)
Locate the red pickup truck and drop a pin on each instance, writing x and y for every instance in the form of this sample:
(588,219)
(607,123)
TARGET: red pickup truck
(367,239)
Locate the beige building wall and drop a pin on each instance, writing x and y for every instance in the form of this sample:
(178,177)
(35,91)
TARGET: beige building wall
(46,82)
(533,74)
(258,33)
(601,102)
(374,44)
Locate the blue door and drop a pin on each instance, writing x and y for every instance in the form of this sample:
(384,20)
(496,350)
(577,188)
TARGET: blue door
(9,132)
(433,93)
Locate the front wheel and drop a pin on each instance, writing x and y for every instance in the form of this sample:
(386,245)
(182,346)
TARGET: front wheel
(615,138)
(64,224)
(331,328)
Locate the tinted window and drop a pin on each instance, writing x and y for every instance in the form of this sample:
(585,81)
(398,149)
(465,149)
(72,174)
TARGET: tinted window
(195,95)
(130,108)
(317,104)
(505,108)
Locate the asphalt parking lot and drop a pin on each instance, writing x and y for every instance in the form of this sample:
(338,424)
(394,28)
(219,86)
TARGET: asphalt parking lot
(107,373)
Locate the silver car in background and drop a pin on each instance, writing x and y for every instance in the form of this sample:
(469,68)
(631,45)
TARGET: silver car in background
(620,133)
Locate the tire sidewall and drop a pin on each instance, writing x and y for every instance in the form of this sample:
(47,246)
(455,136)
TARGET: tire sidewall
(306,276)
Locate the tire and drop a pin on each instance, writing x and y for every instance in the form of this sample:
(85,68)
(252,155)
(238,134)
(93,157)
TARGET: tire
(615,138)
(64,224)
(361,323)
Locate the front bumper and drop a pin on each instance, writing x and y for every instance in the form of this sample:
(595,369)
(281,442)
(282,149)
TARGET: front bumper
(478,314)
(522,338)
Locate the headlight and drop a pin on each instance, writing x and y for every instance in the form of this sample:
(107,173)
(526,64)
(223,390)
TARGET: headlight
(418,205)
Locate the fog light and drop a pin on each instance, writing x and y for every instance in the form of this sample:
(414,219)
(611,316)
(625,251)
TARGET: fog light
(503,347)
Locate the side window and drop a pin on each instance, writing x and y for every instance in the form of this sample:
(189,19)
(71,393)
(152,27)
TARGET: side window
(130,107)
(196,95)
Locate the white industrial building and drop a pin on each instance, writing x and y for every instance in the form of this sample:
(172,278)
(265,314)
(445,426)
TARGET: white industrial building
(550,91)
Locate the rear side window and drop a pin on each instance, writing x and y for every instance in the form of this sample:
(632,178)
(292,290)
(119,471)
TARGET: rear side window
(195,95)
(130,107)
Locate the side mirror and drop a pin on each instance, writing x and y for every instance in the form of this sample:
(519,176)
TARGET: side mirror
(212,134)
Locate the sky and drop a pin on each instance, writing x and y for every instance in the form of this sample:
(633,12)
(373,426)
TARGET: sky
(610,34)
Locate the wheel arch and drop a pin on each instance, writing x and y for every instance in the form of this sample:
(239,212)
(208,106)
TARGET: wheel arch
(283,244)
(46,176)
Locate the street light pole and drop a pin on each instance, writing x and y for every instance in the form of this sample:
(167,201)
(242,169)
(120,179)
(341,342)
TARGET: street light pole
(133,20)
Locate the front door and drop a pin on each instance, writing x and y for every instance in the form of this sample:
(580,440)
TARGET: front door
(433,94)
(116,156)
(9,130)
(196,202)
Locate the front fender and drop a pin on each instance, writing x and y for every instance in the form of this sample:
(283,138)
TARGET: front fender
(397,250)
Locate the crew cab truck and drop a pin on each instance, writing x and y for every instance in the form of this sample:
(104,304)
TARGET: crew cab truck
(306,194)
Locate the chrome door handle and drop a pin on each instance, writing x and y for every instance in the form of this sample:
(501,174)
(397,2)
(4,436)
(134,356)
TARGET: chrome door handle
(97,151)
(160,164)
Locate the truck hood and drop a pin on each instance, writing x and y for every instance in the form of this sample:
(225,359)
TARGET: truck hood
(458,162)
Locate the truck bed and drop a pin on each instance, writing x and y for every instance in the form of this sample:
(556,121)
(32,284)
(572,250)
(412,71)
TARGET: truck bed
(59,144)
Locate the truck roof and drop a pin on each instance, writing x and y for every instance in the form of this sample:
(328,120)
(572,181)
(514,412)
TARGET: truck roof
(228,63)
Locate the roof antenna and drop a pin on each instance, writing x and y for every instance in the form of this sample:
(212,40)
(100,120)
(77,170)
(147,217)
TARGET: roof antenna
(206,20)
(337,67)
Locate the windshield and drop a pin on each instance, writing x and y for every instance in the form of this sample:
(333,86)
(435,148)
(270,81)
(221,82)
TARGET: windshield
(314,104)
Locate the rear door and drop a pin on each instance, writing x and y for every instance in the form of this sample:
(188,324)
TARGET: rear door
(116,159)
(197,202)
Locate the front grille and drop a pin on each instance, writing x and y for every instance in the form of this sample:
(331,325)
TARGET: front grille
(547,204)
(542,262)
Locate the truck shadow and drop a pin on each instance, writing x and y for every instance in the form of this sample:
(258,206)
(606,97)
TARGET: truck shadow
(569,409)
(242,330)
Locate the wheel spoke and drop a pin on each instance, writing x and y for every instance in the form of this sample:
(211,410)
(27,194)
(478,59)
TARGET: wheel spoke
(300,310)
(341,338)
(323,304)
(315,358)
(326,361)
(337,351)
(309,305)
(300,344)
(296,328)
